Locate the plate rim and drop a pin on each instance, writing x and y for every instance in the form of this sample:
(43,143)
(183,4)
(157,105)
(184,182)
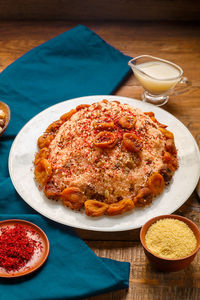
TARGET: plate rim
(98,98)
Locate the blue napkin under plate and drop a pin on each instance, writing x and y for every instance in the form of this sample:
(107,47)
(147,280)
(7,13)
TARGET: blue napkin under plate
(74,64)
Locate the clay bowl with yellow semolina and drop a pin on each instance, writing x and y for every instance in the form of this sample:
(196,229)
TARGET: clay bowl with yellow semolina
(164,234)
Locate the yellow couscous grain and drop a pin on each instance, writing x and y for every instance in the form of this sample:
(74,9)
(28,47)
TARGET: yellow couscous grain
(170,238)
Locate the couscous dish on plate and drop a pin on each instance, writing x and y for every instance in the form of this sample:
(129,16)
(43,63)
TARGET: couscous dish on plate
(106,157)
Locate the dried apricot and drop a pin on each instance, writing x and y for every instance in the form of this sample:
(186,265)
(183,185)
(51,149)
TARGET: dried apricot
(45,140)
(103,125)
(167,172)
(159,124)
(81,106)
(94,208)
(72,197)
(169,159)
(168,134)
(43,171)
(144,197)
(127,122)
(150,114)
(51,191)
(68,115)
(43,153)
(156,183)
(105,139)
(53,127)
(131,143)
(170,146)
(120,207)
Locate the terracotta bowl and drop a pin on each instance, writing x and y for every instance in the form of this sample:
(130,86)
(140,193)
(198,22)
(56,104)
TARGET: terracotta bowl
(164,264)
(6,110)
(40,257)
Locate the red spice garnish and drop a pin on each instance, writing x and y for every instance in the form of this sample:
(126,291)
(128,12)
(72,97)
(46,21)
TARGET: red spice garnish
(16,247)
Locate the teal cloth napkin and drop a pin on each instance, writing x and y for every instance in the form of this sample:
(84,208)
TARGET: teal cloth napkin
(73,64)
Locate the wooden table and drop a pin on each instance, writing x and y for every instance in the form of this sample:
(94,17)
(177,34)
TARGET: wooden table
(177,42)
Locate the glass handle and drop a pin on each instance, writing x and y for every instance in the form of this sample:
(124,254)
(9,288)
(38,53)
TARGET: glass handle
(182,86)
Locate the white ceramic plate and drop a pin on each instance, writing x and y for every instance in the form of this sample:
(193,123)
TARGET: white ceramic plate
(22,171)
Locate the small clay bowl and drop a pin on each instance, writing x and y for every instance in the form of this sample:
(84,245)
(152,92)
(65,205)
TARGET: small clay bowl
(41,254)
(164,264)
(6,110)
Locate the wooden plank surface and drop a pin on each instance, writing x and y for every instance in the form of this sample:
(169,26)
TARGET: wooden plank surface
(180,43)
(182,10)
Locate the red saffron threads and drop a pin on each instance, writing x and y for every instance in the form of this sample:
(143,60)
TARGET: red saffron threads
(16,247)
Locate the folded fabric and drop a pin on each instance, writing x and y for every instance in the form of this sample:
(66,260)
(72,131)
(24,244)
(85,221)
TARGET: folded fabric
(71,271)
(75,63)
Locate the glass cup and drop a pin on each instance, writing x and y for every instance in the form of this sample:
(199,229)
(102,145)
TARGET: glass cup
(160,78)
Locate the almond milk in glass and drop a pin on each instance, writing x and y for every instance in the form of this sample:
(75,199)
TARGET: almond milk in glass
(158,78)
